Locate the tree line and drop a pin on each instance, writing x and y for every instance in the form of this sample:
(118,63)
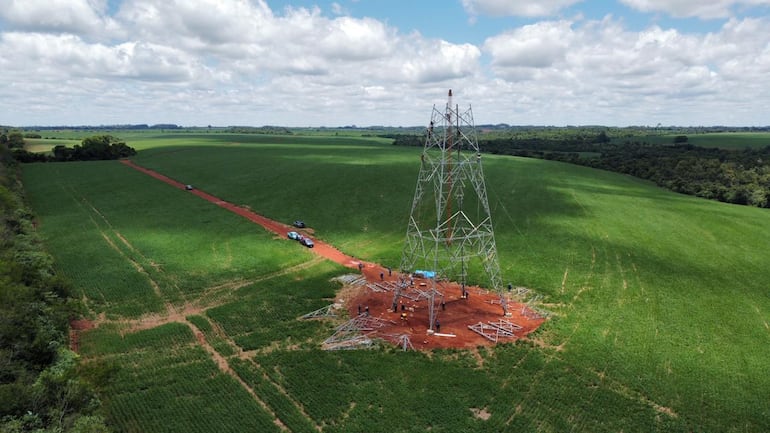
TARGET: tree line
(731,176)
(132,126)
(740,176)
(42,383)
(97,147)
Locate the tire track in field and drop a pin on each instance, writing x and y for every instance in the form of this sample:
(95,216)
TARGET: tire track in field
(609,384)
(198,305)
(284,392)
(172,315)
(219,360)
(552,350)
(125,249)
(92,210)
(138,266)
(136,263)
(625,391)
(225,368)
(205,299)
(615,386)
(571,305)
(73,194)
(83,203)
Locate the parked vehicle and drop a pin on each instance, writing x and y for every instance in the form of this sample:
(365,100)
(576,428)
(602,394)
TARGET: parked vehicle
(308,242)
(299,224)
(293,235)
(188,187)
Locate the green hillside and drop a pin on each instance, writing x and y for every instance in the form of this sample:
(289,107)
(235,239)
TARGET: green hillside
(661,314)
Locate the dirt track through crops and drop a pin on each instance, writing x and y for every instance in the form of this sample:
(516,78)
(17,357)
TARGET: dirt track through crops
(321,248)
(455,316)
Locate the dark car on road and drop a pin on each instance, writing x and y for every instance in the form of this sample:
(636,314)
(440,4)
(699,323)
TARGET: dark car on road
(299,224)
(307,242)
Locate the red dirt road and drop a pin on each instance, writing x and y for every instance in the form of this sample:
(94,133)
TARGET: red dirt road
(454,318)
(321,248)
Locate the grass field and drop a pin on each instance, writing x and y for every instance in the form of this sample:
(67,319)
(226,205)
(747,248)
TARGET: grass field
(661,315)
(731,140)
(722,140)
(130,231)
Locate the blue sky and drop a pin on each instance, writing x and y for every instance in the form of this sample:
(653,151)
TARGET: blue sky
(450,21)
(384,62)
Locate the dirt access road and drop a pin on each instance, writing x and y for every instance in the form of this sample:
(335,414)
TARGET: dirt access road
(455,316)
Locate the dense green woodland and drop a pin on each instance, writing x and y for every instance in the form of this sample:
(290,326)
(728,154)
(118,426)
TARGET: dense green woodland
(41,388)
(738,176)
(732,176)
(97,147)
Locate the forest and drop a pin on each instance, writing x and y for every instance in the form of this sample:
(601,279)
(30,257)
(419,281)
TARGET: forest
(41,382)
(97,147)
(734,175)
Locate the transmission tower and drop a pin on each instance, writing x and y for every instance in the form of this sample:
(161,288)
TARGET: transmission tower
(450,226)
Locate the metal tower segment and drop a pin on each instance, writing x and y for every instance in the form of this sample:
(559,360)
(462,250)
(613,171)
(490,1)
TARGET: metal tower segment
(450,224)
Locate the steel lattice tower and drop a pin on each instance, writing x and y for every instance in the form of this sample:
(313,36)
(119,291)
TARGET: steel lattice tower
(450,226)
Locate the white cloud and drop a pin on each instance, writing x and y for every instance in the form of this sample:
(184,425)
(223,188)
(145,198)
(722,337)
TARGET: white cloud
(86,17)
(198,24)
(231,58)
(524,8)
(68,57)
(239,62)
(537,45)
(616,72)
(693,8)
(355,39)
(434,61)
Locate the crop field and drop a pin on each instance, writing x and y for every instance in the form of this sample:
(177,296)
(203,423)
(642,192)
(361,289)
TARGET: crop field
(160,380)
(731,140)
(660,309)
(141,243)
(41,145)
(722,140)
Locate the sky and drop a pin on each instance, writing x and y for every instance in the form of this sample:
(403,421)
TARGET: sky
(306,63)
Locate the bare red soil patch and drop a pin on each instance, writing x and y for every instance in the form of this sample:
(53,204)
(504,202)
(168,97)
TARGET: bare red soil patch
(454,317)
(76,327)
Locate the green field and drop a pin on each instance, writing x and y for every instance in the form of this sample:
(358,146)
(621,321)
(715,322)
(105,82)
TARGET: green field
(661,314)
(731,140)
(42,145)
(722,140)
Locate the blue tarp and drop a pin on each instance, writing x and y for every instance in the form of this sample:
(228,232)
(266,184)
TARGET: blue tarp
(424,274)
